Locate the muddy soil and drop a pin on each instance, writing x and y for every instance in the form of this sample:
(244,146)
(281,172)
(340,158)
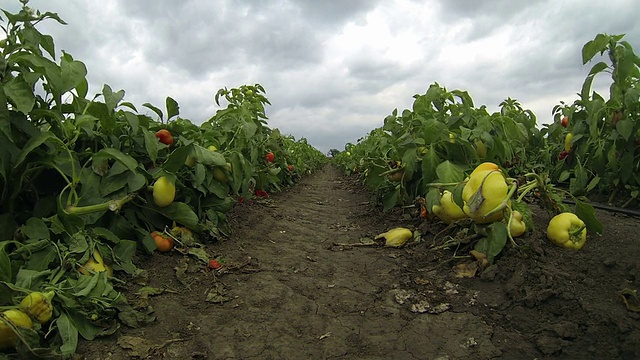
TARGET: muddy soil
(286,291)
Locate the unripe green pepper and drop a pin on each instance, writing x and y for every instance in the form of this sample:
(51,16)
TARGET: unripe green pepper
(164,192)
(567,230)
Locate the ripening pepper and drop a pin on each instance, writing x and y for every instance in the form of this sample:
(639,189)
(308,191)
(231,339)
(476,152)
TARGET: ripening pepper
(484,191)
(38,305)
(567,142)
(448,211)
(8,338)
(395,237)
(567,230)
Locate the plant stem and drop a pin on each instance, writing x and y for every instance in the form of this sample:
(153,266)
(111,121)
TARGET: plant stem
(113,205)
(504,202)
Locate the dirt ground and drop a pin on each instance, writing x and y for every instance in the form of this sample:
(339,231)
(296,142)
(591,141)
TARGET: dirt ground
(287,292)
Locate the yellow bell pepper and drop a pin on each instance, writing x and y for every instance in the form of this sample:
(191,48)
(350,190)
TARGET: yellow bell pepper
(448,211)
(517,226)
(567,230)
(395,237)
(38,305)
(484,191)
(9,318)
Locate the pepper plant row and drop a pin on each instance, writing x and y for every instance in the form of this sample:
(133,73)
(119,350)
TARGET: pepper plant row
(426,157)
(87,183)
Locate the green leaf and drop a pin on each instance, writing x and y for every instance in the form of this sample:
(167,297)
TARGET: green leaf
(181,213)
(593,183)
(78,243)
(111,99)
(172,108)
(586,86)
(125,250)
(40,260)
(495,241)
(587,213)
(133,120)
(429,164)
(409,162)
(626,169)
(5,264)
(72,73)
(591,48)
(390,200)
(449,172)
(116,154)
(20,94)
(31,279)
(208,157)
(106,234)
(82,88)
(625,128)
(32,144)
(68,334)
(154,109)
(175,160)
(151,145)
(5,121)
(250,128)
(36,229)
(47,43)
(136,181)
(86,284)
(84,326)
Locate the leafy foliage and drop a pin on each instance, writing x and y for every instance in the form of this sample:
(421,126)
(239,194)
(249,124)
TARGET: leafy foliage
(76,175)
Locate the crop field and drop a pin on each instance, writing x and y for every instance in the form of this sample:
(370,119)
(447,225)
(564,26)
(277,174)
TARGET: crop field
(447,233)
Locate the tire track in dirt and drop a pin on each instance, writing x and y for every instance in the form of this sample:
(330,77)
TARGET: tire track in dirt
(299,297)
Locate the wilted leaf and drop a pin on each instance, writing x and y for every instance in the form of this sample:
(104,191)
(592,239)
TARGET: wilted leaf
(630,299)
(217,295)
(466,270)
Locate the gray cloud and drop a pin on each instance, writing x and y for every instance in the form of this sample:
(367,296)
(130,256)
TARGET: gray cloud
(334,69)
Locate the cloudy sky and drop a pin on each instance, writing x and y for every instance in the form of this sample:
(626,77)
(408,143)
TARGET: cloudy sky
(333,69)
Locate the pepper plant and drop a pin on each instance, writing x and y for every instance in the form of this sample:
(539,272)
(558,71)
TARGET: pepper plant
(602,137)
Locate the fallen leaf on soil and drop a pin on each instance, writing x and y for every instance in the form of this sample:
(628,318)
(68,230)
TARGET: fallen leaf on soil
(401,296)
(630,299)
(217,295)
(466,270)
(146,291)
(135,318)
(181,272)
(139,347)
(423,306)
(200,254)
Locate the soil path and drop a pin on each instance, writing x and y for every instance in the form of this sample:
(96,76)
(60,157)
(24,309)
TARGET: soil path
(287,292)
(297,296)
